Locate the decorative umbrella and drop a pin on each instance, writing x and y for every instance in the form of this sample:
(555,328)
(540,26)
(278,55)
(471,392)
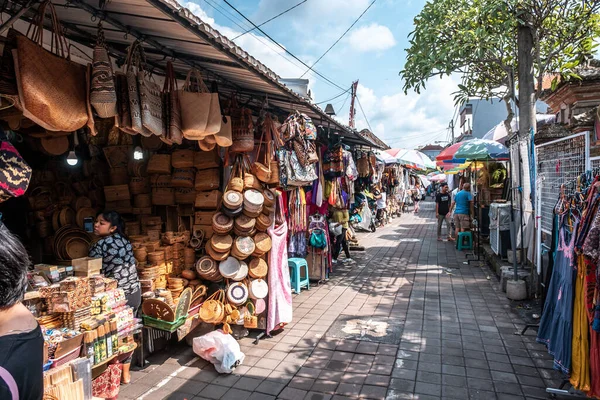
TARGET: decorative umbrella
(426,182)
(438,178)
(480,149)
(386,158)
(448,152)
(417,158)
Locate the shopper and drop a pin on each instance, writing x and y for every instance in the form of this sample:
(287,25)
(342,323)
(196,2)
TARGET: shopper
(118,262)
(416,194)
(381,200)
(463,201)
(442,211)
(339,241)
(21,341)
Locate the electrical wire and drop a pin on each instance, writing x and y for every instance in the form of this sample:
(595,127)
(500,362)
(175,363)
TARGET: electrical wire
(333,98)
(340,38)
(282,47)
(271,19)
(363,113)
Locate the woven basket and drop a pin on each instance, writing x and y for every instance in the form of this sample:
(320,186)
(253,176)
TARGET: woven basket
(119,176)
(182,159)
(262,242)
(251,182)
(214,254)
(159,164)
(208,179)
(160,181)
(163,197)
(263,222)
(206,160)
(269,198)
(183,178)
(212,311)
(140,254)
(132,228)
(222,224)
(142,200)
(258,268)
(208,200)
(138,185)
(243,247)
(207,269)
(116,193)
(185,196)
(221,243)
(242,131)
(156,257)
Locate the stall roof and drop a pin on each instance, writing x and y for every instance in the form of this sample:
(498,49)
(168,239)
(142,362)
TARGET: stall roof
(170,31)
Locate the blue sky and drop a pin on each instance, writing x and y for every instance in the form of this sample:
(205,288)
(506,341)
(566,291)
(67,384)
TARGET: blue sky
(372,52)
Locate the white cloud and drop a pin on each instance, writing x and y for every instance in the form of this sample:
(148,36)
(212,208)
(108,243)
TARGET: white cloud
(372,37)
(408,120)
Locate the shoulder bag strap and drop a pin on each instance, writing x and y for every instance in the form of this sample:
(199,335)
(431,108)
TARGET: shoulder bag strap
(10,382)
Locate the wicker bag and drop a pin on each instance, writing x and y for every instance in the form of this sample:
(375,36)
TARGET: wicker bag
(103,95)
(172,107)
(208,200)
(160,181)
(262,170)
(195,100)
(139,185)
(133,62)
(52,89)
(182,159)
(185,196)
(242,129)
(163,197)
(159,164)
(151,104)
(207,179)
(183,178)
(116,193)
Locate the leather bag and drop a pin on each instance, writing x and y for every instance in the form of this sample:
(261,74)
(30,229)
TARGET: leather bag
(103,94)
(195,100)
(52,89)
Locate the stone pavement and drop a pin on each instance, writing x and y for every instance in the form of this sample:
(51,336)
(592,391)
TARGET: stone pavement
(407,320)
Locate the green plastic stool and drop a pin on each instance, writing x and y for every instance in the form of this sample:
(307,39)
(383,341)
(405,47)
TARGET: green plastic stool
(460,241)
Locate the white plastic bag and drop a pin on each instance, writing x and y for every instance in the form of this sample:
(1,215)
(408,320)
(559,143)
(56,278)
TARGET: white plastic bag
(221,349)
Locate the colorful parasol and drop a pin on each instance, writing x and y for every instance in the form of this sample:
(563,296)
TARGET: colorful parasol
(481,149)
(448,152)
(438,178)
(417,158)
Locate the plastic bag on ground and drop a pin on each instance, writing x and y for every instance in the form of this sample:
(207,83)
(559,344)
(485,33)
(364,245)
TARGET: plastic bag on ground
(221,349)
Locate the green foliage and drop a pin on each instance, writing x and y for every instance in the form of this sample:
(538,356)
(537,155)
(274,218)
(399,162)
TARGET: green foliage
(477,39)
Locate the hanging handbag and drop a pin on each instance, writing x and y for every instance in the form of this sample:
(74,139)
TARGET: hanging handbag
(318,239)
(242,128)
(15,174)
(123,118)
(172,107)
(195,101)
(103,95)
(52,89)
(133,63)
(151,100)
(8,79)
(262,170)
(223,137)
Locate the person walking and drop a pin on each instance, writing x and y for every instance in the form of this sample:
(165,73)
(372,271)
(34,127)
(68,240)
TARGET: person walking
(442,211)
(416,194)
(463,212)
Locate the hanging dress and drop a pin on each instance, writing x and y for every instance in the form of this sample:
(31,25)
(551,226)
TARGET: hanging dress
(280,287)
(556,325)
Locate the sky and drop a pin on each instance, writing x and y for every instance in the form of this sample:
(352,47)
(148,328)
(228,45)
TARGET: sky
(373,52)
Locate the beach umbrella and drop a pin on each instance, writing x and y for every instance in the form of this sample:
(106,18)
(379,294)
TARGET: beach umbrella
(426,182)
(499,132)
(417,158)
(448,152)
(481,149)
(386,158)
(438,178)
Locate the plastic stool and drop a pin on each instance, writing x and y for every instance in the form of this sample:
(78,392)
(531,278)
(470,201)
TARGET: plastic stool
(296,265)
(460,241)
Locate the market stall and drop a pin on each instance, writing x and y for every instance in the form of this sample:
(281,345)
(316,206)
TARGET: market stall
(214,193)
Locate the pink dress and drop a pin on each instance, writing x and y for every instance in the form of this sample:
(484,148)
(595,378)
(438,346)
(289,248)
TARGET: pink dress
(280,288)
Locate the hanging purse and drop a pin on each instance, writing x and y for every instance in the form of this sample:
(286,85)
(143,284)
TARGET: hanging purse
(8,80)
(262,170)
(223,137)
(103,95)
(195,101)
(242,128)
(52,89)
(15,174)
(172,107)
(133,63)
(151,101)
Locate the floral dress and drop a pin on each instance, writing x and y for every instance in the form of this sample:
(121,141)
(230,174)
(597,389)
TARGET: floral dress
(117,261)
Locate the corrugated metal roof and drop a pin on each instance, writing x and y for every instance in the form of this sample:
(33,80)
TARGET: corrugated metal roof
(170,31)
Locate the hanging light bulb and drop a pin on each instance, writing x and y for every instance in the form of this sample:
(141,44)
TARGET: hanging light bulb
(72,159)
(138,154)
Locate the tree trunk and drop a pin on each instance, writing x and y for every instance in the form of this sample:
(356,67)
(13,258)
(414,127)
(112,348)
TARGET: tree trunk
(527,117)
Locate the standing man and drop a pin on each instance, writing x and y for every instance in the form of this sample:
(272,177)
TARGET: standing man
(463,201)
(442,211)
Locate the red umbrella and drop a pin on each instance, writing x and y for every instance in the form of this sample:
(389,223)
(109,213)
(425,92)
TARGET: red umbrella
(448,152)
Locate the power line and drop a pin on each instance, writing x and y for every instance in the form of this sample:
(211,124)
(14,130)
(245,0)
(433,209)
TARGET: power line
(271,19)
(333,98)
(340,38)
(282,47)
(363,111)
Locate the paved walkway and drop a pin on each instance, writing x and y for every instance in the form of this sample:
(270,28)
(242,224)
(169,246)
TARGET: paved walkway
(408,320)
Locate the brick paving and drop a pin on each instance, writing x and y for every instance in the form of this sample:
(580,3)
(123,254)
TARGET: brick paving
(408,320)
